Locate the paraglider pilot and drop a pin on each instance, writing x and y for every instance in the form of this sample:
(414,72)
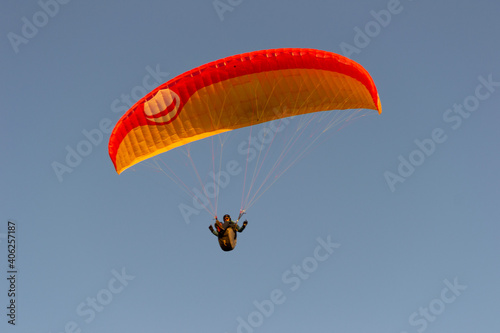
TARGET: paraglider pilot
(227,232)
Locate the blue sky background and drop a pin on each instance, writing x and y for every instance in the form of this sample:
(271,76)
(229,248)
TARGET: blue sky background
(401,248)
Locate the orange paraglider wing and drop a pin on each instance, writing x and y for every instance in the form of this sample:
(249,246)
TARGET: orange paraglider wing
(235,92)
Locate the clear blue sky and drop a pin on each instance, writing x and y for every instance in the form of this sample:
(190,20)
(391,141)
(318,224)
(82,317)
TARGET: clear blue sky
(412,248)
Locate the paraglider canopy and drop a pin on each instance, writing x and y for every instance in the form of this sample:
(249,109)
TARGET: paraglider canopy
(235,92)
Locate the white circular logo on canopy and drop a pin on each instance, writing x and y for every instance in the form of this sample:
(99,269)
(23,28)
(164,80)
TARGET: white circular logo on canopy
(163,107)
